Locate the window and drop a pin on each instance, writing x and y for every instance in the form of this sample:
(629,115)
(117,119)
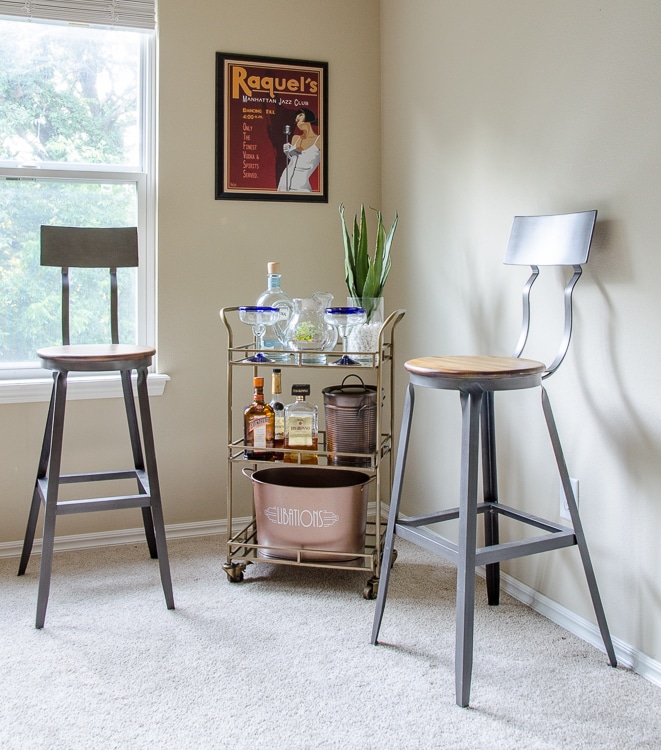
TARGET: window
(76,122)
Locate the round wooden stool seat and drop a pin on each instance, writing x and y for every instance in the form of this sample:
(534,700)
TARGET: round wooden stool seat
(95,357)
(488,373)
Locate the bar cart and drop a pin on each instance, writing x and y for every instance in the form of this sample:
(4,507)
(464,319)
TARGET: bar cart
(243,544)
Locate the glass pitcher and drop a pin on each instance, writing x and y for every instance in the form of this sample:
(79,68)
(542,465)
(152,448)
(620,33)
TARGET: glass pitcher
(307,331)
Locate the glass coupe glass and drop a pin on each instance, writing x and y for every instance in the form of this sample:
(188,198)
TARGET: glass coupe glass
(344,319)
(258,317)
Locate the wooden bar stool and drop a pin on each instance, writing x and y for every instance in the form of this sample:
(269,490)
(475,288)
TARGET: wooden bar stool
(114,248)
(535,240)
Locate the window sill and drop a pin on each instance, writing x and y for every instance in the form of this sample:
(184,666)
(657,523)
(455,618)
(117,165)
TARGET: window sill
(30,390)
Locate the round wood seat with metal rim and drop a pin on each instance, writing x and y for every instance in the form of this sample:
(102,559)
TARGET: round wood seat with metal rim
(95,357)
(546,240)
(489,373)
(110,249)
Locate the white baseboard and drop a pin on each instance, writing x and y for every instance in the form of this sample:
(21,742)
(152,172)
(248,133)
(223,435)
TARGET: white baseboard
(627,655)
(124,536)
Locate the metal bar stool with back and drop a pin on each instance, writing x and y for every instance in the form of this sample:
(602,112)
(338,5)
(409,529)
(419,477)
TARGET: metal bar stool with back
(557,240)
(110,248)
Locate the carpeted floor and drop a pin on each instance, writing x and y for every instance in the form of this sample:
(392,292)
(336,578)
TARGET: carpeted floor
(282,661)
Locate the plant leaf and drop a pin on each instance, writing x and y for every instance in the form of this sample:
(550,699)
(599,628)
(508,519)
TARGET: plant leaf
(349,257)
(365,275)
(386,250)
(362,258)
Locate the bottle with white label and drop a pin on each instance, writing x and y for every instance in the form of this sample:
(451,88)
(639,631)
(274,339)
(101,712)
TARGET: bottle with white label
(301,427)
(258,426)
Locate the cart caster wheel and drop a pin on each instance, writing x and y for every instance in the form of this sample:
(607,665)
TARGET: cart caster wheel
(371,589)
(234,571)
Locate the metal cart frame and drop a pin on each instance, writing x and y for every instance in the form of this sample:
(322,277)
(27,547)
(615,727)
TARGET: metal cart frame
(243,547)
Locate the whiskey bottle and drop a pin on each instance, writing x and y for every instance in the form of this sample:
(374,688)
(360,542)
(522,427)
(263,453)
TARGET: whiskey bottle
(258,426)
(278,412)
(301,427)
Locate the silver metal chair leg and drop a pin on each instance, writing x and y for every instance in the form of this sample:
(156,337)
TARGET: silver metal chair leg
(395,499)
(490,489)
(471,405)
(578,529)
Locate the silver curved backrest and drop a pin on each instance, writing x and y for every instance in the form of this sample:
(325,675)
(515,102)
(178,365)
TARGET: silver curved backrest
(89,247)
(554,240)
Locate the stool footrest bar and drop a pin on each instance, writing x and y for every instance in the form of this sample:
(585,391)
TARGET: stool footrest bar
(433,542)
(444,515)
(89,505)
(524,547)
(428,540)
(103,476)
(523,517)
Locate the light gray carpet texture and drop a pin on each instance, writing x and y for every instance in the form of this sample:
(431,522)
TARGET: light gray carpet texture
(282,661)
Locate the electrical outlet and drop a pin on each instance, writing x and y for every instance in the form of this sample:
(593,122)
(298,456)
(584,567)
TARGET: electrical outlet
(564,508)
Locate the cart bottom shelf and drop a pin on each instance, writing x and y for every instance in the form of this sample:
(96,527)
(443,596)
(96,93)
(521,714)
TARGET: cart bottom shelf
(243,549)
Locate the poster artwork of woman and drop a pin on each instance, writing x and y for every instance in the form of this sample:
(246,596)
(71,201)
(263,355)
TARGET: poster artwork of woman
(303,154)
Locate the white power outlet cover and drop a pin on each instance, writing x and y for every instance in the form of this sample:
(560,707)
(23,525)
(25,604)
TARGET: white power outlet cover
(564,508)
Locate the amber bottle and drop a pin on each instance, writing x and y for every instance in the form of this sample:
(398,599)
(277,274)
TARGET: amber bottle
(258,426)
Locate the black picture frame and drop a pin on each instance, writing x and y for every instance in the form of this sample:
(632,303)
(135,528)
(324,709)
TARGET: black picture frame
(263,103)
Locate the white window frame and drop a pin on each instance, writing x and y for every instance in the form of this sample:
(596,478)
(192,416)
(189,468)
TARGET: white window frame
(32,384)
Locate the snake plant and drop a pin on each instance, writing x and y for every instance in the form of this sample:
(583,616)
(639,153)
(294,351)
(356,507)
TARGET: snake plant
(366,274)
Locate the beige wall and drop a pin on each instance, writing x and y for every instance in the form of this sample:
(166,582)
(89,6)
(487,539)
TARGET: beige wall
(488,110)
(214,253)
(496,109)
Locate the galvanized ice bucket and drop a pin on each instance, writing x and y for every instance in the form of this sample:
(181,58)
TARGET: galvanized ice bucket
(350,411)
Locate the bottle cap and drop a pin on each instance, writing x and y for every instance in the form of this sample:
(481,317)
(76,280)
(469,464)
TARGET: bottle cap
(274,267)
(300,389)
(258,382)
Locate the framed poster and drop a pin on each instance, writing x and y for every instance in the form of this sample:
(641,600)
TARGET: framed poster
(271,129)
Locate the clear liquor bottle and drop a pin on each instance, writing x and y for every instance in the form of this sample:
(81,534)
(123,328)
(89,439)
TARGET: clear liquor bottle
(258,426)
(273,296)
(301,427)
(279,414)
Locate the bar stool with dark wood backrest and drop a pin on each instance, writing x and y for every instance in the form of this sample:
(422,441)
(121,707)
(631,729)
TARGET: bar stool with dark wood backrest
(560,240)
(68,247)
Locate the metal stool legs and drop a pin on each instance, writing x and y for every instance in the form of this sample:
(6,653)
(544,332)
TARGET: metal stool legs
(490,490)
(49,478)
(465,604)
(471,406)
(578,530)
(138,462)
(478,423)
(154,521)
(50,459)
(393,514)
